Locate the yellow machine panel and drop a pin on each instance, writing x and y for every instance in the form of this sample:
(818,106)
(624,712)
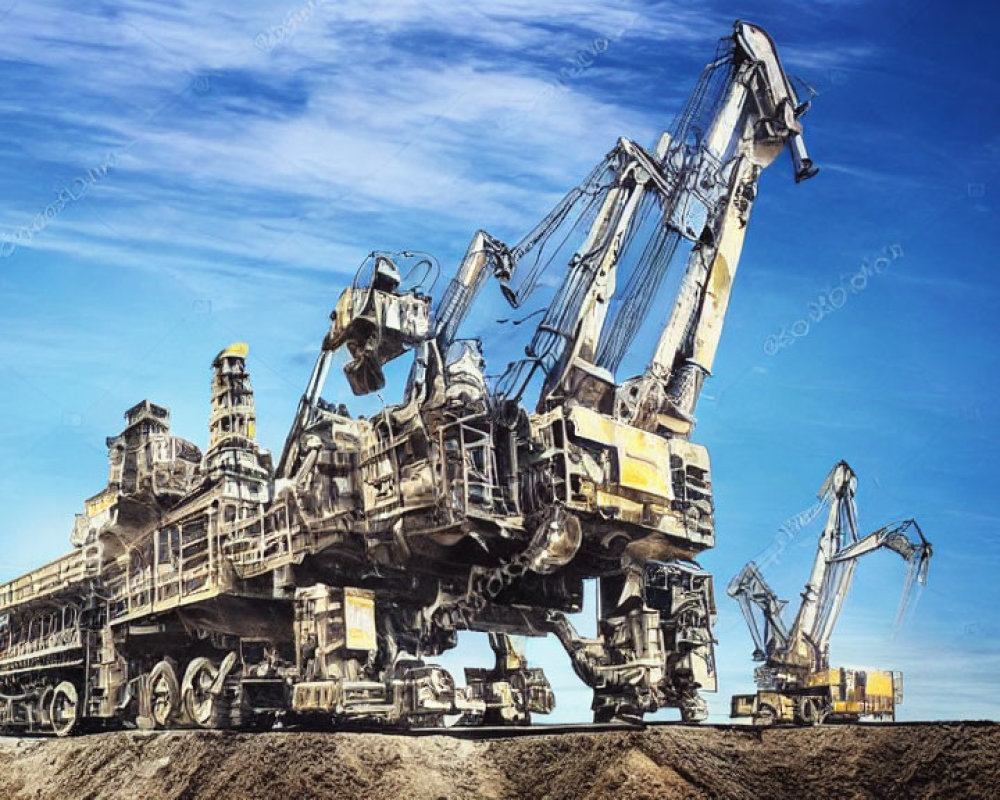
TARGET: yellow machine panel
(359,619)
(643,458)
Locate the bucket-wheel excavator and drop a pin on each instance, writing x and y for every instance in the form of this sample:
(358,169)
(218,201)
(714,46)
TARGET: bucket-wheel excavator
(795,681)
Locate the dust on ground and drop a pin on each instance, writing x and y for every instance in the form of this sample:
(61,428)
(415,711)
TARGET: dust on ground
(959,759)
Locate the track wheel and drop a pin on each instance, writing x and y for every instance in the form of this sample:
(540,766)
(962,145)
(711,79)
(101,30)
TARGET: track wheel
(694,708)
(64,710)
(45,706)
(200,697)
(765,716)
(164,694)
(811,711)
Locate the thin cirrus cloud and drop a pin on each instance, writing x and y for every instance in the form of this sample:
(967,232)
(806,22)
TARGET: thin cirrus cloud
(357,108)
(309,126)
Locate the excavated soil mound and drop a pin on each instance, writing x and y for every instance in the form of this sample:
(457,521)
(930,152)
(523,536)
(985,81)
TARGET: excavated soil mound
(953,760)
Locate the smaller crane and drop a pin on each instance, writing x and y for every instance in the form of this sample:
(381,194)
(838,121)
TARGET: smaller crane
(795,682)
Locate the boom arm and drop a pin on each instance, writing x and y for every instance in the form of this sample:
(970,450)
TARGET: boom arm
(757,118)
(752,592)
(825,590)
(484,253)
(699,185)
(596,261)
(916,554)
(306,412)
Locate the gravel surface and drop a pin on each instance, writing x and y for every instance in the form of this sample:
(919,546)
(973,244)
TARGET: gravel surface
(953,759)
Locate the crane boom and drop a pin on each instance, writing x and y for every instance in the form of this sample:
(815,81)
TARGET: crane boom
(826,588)
(916,554)
(699,183)
(752,592)
(803,647)
(484,253)
(757,117)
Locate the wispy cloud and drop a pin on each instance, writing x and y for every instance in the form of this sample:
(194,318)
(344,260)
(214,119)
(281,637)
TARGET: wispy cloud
(339,121)
(845,57)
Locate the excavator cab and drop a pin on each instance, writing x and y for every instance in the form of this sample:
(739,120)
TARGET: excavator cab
(377,323)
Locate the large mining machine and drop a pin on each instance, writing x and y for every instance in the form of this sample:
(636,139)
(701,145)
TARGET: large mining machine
(601,479)
(795,682)
(220,589)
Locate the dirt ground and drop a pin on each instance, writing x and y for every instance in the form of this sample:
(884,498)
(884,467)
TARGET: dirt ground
(960,759)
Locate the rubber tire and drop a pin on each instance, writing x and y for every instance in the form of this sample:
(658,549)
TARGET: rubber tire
(45,705)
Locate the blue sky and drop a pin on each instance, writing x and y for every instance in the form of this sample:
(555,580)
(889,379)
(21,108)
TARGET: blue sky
(180,176)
